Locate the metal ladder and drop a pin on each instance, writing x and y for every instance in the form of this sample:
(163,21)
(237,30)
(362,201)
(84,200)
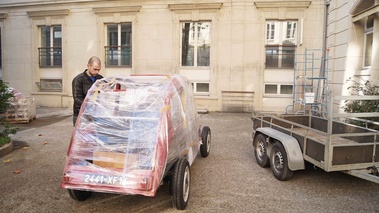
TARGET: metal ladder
(310,81)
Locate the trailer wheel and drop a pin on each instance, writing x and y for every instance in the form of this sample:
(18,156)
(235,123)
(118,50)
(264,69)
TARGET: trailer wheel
(205,147)
(279,162)
(180,184)
(79,195)
(260,151)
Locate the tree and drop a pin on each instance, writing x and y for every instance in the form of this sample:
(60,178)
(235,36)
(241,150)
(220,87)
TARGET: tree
(5,130)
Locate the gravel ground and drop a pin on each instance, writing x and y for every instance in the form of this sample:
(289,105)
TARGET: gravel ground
(228,180)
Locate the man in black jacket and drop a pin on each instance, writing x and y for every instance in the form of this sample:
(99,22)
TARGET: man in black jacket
(83,82)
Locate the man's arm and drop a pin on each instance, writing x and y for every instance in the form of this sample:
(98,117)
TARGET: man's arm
(77,91)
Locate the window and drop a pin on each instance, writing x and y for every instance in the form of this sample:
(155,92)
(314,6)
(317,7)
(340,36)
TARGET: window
(278,89)
(291,32)
(280,57)
(118,51)
(368,33)
(50,52)
(196,44)
(270,32)
(50,85)
(281,40)
(200,88)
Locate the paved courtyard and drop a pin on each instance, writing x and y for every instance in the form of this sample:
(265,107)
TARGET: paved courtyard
(228,180)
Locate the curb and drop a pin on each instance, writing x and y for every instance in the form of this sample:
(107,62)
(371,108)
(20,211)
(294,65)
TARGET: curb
(6,149)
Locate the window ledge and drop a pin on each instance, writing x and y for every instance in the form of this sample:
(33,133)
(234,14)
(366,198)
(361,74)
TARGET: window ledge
(279,69)
(195,68)
(49,93)
(199,6)
(284,4)
(277,96)
(131,9)
(206,97)
(44,13)
(120,67)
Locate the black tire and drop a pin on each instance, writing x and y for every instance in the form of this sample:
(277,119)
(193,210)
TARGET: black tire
(260,150)
(79,195)
(205,147)
(279,162)
(180,184)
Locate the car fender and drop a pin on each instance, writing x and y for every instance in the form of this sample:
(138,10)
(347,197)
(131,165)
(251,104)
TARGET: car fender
(292,147)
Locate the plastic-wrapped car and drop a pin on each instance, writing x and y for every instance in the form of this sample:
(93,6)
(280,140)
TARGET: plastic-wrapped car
(132,133)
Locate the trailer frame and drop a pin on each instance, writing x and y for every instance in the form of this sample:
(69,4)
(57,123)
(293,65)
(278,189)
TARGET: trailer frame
(328,143)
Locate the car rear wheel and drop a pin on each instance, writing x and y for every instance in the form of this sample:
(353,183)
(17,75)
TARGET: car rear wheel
(205,147)
(260,151)
(79,195)
(180,184)
(279,162)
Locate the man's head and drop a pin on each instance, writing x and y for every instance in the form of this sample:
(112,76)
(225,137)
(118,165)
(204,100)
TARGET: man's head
(93,66)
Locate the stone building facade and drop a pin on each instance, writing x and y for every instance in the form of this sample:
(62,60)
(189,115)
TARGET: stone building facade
(236,49)
(353,40)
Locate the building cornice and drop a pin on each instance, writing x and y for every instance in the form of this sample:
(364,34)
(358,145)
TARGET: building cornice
(365,13)
(198,6)
(128,9)
(44,13)
(3,16)
(45,3)
(282,4)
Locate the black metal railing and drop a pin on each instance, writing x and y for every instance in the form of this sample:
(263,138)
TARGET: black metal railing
(118,55)
(50,56)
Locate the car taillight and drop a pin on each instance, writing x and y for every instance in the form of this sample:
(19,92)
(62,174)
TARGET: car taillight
(66,179)
(144,183)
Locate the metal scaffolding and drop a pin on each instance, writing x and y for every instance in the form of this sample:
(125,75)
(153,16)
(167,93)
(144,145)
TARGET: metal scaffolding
(310,79)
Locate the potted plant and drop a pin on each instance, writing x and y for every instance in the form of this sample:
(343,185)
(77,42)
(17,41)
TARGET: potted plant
(5,129)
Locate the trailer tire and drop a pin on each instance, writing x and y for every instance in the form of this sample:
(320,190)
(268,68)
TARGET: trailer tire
(79,195)
(279,162)
(260,151)
(205,147)
(180,184)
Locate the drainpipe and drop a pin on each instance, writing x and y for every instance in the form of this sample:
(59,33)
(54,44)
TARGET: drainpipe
(326,5)
(320,88)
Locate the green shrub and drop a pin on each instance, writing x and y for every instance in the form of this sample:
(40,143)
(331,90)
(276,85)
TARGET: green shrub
(5,130)
(362,87)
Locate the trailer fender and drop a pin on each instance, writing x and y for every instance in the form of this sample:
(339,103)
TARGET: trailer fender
(292,147)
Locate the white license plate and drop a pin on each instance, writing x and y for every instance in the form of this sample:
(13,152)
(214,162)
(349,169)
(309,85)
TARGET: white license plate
(105,179)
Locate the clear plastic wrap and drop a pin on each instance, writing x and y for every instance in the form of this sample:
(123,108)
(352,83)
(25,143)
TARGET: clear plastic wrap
(22,108)
(130,131)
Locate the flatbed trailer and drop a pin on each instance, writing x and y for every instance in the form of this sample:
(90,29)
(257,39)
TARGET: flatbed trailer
(285,142)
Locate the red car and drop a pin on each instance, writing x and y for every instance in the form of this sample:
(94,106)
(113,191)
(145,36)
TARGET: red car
(132,133)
